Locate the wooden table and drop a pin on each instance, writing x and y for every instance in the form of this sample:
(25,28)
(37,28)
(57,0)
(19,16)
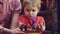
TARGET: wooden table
(31,32)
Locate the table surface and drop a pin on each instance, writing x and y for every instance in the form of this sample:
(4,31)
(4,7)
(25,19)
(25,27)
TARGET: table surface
(31,32)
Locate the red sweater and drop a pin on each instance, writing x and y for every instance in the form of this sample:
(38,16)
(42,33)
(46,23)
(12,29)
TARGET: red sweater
(25,20)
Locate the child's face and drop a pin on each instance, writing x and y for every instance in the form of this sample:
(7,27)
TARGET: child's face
(31,11)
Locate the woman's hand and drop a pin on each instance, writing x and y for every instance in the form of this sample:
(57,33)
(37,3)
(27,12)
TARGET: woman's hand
(17,31)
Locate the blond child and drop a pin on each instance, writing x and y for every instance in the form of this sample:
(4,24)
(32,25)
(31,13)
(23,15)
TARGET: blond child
(30,18)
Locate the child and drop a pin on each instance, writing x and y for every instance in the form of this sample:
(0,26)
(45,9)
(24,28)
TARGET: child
(30,18)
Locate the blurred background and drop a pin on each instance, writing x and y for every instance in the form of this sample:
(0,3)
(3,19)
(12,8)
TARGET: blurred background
(48,11)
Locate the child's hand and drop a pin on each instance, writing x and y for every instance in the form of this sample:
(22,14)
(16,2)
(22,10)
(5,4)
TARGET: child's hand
(42,26)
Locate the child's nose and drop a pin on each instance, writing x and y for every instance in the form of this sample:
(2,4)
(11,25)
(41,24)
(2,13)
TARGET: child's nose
(30,12)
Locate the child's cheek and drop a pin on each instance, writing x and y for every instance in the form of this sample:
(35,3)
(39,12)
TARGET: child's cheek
(35,14)
(27,13)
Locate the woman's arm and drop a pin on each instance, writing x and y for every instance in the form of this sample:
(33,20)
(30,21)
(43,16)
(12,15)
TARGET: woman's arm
(9,30)
(5,29)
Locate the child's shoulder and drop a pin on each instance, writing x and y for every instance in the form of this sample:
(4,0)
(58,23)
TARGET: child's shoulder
(40,17)
(21,16)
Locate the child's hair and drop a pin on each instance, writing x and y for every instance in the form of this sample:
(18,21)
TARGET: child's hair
(35,3)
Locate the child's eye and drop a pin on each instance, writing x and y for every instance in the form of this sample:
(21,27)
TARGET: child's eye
(33,10)
(27,10)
